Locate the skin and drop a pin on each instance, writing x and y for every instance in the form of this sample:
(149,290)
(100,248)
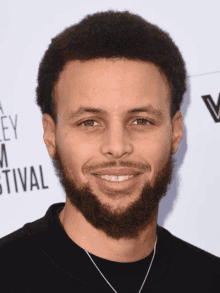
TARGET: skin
(115,225)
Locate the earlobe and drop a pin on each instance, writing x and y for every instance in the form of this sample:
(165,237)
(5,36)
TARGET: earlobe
(49,134)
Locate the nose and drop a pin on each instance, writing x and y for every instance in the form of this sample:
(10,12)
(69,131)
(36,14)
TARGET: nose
(117,142)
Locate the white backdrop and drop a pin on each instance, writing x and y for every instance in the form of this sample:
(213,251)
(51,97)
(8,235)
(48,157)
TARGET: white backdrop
(28,184)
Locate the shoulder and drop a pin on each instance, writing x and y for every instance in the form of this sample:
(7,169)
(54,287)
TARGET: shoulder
(185,252)
(14,245)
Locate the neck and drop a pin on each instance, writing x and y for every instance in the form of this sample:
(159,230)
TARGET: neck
(97,243)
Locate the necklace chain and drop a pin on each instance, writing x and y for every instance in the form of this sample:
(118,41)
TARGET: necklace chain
(144,278)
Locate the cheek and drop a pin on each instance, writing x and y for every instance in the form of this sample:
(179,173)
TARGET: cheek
(76,153)
(155,152)
(161,157)
(82,152)
(155,145)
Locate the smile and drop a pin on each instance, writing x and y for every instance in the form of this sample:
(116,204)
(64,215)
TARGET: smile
(117,182)
(115,178)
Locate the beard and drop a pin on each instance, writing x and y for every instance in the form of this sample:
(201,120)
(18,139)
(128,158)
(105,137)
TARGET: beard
(126,223)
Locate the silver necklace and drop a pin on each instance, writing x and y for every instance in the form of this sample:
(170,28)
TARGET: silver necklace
(145,276)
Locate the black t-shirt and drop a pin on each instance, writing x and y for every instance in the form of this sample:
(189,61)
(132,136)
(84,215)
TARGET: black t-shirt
(40,257)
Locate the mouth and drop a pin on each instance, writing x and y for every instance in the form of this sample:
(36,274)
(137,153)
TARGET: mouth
(117,182)
(114,178)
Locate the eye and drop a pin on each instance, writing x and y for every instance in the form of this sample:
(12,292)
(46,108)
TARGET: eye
(139,125)
(85,122)
(143,119)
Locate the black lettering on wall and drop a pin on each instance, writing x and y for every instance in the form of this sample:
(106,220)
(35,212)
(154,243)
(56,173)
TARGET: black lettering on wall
(33,174)
(14,125)
(7,181)
(24,183)
(15,180)
(1,108)
(3,127)
(3,156)
(42,178)
(213,109)
(19,176)
(27,175)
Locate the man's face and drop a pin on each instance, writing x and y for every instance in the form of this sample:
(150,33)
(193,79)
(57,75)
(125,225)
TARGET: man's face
(91,142)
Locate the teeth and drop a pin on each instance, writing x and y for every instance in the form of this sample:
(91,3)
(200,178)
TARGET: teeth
(116,178)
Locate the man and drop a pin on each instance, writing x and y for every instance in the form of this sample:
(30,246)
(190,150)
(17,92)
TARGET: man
(110,90)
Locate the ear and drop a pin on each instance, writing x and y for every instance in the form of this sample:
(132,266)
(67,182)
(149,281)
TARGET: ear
(49,134)
(177,136)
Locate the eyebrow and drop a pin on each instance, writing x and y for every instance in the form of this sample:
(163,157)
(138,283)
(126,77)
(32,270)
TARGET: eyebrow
(148,109)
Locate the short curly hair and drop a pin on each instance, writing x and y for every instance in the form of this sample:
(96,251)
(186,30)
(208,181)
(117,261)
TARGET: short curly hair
(111,34)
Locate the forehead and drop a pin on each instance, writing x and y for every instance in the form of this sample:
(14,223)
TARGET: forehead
(111,84)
